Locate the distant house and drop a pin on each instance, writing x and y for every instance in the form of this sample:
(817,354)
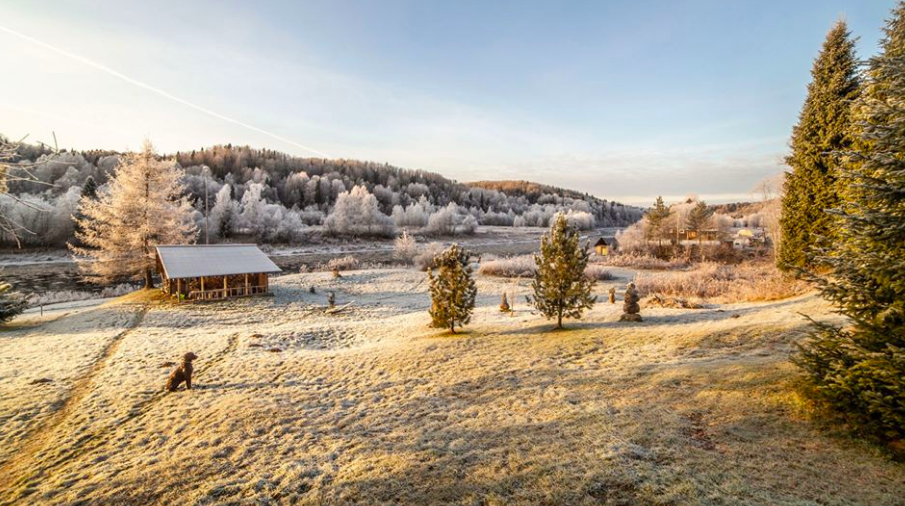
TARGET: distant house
(707,235)
(210,272)
(605,245)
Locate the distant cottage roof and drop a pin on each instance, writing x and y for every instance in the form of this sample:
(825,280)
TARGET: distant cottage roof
(192,261)
(606,241)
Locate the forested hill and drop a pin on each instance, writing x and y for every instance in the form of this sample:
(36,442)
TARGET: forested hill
(384,180)
(298,191)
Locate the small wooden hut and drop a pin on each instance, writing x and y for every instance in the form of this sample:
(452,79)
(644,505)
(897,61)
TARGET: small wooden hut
(212,272)
(605,245)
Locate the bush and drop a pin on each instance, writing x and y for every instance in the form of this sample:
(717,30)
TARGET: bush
(597,272)
(642,261)
(11,305)
(405,248)
(347,263)
(424,260)
(521,266)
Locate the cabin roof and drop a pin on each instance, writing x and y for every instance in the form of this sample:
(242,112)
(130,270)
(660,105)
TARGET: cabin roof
(606,241)
(192,261)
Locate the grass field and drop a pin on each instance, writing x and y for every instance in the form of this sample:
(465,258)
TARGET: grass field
(371,406)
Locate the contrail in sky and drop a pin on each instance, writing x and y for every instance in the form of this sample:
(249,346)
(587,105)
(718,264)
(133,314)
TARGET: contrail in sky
(158,91)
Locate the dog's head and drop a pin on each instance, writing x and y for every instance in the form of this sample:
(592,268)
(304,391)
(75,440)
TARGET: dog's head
(188,357)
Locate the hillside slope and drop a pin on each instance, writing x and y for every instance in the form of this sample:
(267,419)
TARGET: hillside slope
(371,406)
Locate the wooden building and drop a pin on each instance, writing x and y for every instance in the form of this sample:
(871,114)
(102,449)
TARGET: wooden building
(211,272)
(605,245)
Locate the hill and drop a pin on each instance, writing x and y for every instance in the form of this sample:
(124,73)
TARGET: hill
(298,192)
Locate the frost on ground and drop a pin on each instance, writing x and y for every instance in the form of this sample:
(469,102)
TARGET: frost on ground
(370,406)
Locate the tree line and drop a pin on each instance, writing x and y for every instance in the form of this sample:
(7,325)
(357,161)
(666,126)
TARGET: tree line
(274,197)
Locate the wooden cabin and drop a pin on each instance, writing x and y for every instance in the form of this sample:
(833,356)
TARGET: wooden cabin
(213,272)
(605,245)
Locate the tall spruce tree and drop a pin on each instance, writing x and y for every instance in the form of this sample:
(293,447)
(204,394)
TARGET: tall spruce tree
(452,290)
(561,288)
(824,126)
(698,220)
(860,368)
(143,206)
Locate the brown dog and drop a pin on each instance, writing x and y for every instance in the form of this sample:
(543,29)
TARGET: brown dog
(182,373)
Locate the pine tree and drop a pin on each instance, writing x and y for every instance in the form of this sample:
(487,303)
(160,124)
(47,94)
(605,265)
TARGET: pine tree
(697,221)
(824,126)
(560,287)
(89,189)
(860,368)
(452,290)
(144,206)
(657,217)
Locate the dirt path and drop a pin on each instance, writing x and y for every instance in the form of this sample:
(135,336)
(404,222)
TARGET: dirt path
(39,438)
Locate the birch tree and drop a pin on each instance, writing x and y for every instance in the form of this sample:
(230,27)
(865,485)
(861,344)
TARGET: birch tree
(143,206)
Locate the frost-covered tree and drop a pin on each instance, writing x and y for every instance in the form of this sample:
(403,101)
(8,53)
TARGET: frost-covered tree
(449,221)
(561,288)
(452,289)
(860,368)
(223,215)
(824,126)
(143,206)
(357,213)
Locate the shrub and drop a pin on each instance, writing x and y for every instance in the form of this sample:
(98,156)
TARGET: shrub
(723,283)
(521,266)
(347,263)
(424,260)
(642,261)
(405,248)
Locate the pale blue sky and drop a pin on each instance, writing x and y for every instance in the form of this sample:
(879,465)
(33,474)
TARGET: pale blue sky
(626,100)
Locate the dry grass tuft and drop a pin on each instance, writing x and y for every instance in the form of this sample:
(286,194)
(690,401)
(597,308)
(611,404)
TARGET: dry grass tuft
(723,283)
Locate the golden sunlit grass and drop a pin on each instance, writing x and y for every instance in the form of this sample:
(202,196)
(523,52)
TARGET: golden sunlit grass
(688,407)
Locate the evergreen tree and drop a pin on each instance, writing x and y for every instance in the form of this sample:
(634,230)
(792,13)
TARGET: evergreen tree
(697,221)
(561,288)
(452,290)
(824,126)
(144,206)
(89,189)
(860,368)
(657,218)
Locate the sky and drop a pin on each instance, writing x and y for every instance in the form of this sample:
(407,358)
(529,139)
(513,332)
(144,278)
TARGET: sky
(623,100)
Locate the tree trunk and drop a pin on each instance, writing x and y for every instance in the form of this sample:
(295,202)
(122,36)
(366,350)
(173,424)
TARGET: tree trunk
(149,280)
(452,328)
(559,320)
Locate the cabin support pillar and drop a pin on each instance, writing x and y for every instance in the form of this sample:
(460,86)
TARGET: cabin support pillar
(225,294)
(178,289)
(202,287)
(247,289)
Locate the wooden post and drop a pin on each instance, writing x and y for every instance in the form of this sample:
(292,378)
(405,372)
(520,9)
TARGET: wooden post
(202,287)
(224,286)
(178,289)
(247,290)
